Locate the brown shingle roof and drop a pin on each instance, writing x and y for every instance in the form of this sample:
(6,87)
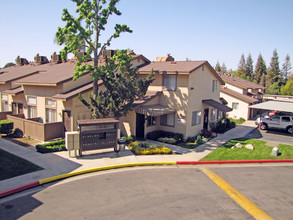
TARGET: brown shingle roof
(178,67)
(242,83)
(14,91)
(239,95)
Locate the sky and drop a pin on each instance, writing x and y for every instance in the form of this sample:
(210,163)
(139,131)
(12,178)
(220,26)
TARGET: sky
(212,30)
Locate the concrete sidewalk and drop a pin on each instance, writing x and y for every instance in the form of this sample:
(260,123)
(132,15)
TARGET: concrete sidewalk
(60,162)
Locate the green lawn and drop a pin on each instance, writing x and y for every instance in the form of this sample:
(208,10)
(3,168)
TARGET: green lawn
(12,166)
(261,151)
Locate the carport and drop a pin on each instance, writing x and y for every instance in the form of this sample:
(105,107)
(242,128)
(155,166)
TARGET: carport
(283,106)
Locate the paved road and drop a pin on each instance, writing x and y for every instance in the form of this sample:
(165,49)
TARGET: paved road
(159,193)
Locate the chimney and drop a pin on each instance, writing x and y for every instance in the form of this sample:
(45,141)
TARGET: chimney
(21,61)
(41,59)
(165,59)
(56,58)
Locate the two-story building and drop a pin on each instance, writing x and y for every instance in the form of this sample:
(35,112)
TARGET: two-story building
(240,94)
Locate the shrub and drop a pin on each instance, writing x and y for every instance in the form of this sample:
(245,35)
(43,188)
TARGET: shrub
(206,133)
(154,135)
(167,140)
(143,148)
(17,133)
(199,140)
(191,139)
(6,126)
(128,139)
(54,146)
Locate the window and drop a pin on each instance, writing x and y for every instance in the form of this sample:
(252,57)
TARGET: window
(4,101)
(168,119)
(51,115)
(213,114)
(235,105)
(169,82)
(196,118)
(215,85)
(32,100)
(32,111)
(151,121)
(286,119)
(275,119)
(220,115)
(51,102)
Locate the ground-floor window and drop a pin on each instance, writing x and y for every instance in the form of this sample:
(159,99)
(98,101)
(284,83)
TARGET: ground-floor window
(151,121)
(196,118)
(168,119)
(213,114)
(5,107)
(51,115)
(32,111)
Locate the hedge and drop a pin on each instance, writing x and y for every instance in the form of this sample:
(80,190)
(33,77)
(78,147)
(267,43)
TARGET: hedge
(6,126)
(143,148)
(54,146)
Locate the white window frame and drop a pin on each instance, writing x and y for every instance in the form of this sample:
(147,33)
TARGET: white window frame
(235,105)
(51,103)
(30,112)
(196,118)
(32,100)
(168,84)
(51,115)
(215,85)
(170,119)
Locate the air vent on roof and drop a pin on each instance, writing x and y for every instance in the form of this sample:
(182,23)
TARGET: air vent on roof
(21,61)
(41,59)
(82,54)
(56,58)
(109,53)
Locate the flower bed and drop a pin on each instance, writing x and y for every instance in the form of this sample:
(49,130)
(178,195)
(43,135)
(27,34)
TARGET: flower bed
(143,148)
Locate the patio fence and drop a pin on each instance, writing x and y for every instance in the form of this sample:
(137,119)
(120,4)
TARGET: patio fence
(36,130)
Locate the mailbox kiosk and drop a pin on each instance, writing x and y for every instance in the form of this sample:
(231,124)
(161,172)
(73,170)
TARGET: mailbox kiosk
(98,134)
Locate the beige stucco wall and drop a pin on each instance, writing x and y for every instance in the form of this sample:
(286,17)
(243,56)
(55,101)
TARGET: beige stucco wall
(234,88)
(241,112)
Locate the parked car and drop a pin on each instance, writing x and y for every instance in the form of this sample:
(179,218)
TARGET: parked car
(280,113)
(276,121)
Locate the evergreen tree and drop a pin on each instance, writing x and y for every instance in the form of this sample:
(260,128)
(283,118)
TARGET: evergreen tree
(9,64)
(241,71)
(260,70)
(274,89)
(249,68)
(286,68)
(223,68)
(218,67)
(274,73)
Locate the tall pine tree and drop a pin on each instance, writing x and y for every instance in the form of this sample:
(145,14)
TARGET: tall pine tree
(286,68)
(249,68)
(218,67)
(260,71)
(223,68)
(274,73)
(241,71)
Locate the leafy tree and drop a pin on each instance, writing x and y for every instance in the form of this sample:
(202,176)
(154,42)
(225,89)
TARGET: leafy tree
(287,89)
(274,89)
(260,70)
(9,64)
(249,68)
(286,68)
(241,71)
(274,73)
(218,67)
(223,68)
(85,31)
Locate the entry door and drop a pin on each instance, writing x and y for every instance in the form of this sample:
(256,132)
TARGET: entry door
(206,119)
(140,125)
(20,108)
(14,110)
(67,120)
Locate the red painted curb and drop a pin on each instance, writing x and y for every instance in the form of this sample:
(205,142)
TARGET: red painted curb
(19,188)
(231,162)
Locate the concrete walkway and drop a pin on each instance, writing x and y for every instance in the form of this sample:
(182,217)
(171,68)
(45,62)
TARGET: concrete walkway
(60,162)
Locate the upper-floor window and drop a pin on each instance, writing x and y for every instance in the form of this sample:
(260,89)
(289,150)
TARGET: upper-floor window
(215,85)
(235,105)
(31,100)
(169,82)
(50,102)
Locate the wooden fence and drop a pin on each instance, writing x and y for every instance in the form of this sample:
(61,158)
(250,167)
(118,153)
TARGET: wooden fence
(37,130)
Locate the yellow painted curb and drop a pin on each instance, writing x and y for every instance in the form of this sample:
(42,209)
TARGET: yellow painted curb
(75,173)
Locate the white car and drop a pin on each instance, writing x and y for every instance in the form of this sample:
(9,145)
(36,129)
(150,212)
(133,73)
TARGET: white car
(279,122)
